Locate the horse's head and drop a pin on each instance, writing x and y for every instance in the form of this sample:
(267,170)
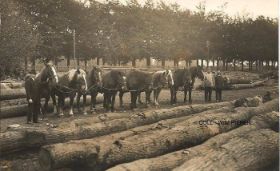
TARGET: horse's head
(170,78)
(198,72)
(96,76)
(121,80)
(49,74)
(78,80)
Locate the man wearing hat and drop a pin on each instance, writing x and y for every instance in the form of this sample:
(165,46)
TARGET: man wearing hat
(219,85)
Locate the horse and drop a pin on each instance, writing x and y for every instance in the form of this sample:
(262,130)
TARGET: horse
(69,84)
(94,81)
(184,78)
(112,82)
(140,81)
(38,87)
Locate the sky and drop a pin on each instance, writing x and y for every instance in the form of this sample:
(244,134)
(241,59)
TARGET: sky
(254,8)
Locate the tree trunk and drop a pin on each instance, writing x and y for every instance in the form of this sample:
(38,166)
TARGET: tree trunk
(163,63)
(68,61)
(234,65)
(242,65)
(197,62)
(85,60)
(202,63)
(226,64)
(33,70)
(176,63)
(156,142)
(90,130)
(218,64)
(148,61)
(98,61)
(175,159)
(133,62)
(25,64)
(207,63)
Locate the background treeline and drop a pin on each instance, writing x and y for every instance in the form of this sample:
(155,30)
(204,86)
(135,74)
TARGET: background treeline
(118,34)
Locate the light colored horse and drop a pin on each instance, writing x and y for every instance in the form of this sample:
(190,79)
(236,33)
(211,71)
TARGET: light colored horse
(69,84)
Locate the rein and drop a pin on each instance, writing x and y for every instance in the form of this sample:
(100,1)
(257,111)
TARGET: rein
(68,91)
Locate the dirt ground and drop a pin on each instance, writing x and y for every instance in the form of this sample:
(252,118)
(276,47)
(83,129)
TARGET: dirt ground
(28,160)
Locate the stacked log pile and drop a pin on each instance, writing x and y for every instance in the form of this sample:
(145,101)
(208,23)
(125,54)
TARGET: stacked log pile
(24,138)
(188,158)
(104,152)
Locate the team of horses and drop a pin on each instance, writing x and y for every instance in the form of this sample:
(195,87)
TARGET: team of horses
(78,83)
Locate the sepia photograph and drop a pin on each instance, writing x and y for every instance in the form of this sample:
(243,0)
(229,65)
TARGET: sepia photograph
(139,85)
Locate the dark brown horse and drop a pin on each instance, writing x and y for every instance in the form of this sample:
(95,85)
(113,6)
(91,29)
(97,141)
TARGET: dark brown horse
(140,81)
(94,81)
(69,84)
(38,87)
(184,78)
(112,82)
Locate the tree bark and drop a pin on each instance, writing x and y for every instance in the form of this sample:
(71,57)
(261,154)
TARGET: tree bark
(197,62)
(239,153)
(148,61)
(98,61)
(134,62)
(244,86)
(91,130)
(9,94)
(100,155)
(68,61)
(218,64)
(175,159)
(242,65)
(163,63)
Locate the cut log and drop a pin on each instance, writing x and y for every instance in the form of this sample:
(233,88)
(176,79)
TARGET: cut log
(256,150)
(7,94)
(101,155)
(90,130)
(239,81)
(11,85)
(21,110)
(245,86)
(175,159)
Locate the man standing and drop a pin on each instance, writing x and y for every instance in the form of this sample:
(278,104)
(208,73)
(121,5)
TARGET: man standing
(209,82)
(219,85)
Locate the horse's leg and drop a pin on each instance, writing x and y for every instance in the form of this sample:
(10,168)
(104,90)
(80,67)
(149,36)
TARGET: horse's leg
(121,98)
(148,99)
(84,104)
(185,94)
(55,107)
(171,95)
(107,100)
(113,101)
(155,92)
(175,95)
(60,106)
(93,101)
(71,113)
(190,95)
(158,92)
(133,99)
(45,108)
(78,101)
(139,98)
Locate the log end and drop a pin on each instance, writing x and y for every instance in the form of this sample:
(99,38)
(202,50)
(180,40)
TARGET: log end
(45,160)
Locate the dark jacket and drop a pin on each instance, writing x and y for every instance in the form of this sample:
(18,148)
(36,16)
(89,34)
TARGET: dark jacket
(219,82)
